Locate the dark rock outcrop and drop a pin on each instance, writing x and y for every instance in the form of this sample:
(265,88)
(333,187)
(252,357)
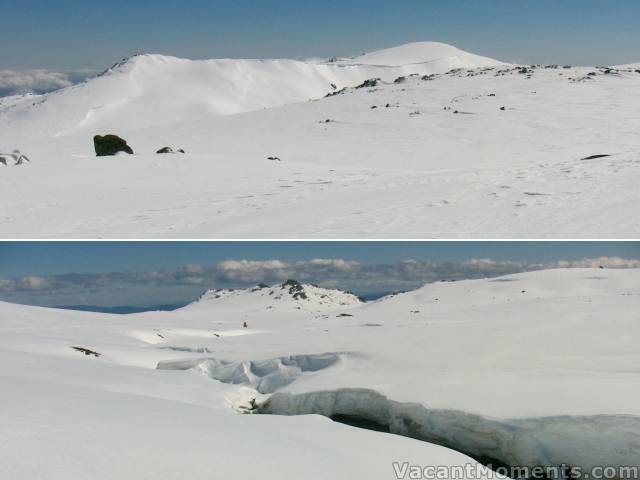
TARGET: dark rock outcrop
(15,158)
(170,150)
(372,82)
(296,289)
(86,351)
(108,145)
(336,92)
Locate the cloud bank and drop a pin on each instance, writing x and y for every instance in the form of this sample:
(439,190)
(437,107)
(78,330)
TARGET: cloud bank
(122,288)
(14,82)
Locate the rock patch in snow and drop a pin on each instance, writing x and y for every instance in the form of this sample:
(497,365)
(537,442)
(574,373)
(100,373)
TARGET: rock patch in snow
(109,145)
(170,150)
(15,158)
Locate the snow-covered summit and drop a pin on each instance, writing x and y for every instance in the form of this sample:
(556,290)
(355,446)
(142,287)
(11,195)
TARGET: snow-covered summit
(423,52)
(291,293)
(152,89)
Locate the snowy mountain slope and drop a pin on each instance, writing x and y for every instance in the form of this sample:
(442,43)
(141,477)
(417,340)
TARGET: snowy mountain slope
(410,167)
(153,90)
(445,57)
(534,368)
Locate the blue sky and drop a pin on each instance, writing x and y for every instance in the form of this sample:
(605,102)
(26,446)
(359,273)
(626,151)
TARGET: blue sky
(149,273)
(75,34)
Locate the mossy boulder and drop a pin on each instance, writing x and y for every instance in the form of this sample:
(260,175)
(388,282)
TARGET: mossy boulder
(110,145)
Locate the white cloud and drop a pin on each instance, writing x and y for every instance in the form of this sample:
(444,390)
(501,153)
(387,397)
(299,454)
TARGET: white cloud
(193,269)
(489,263)
(252,270)
(13,82)
(193,280)
(336,263)
(34,283)
(608,262)
(250,265)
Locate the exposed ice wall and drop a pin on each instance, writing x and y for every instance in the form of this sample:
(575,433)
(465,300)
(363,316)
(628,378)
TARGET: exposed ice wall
(552,441)
(264,376)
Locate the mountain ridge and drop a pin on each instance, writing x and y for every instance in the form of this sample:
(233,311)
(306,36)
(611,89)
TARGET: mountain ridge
(291,293)
(141,89)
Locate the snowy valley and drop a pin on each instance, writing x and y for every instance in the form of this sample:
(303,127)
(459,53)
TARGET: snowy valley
(536,368)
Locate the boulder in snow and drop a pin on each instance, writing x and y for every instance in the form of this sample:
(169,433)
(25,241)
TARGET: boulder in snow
(15,158)
(108,145)
(170,150)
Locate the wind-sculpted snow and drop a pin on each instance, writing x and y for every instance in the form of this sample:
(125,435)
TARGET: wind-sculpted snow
(265,376)
(583,441)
